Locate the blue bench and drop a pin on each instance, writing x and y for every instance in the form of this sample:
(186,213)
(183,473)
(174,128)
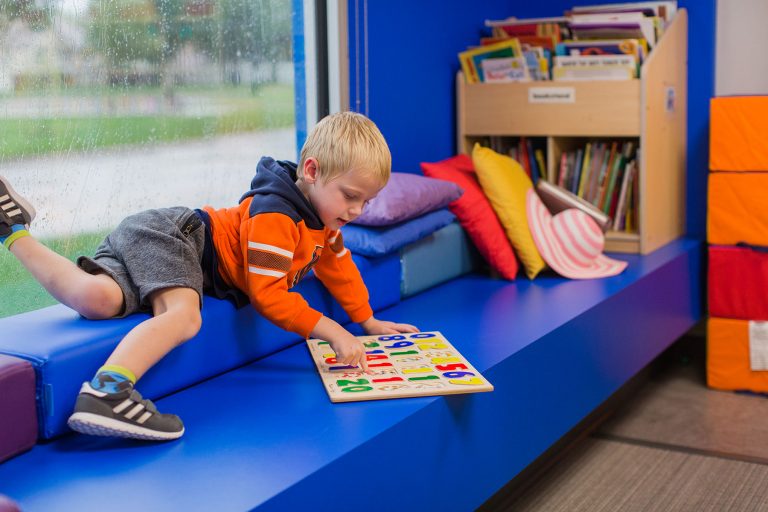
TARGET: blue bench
(264,436)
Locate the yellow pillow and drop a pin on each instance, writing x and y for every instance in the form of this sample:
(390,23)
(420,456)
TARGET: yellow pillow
(505,184)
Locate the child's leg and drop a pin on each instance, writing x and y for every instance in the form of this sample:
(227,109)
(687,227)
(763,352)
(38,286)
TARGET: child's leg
(93,296)
(109,405)
(176,319)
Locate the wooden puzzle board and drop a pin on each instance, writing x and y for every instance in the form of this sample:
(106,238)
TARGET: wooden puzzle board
(402,365)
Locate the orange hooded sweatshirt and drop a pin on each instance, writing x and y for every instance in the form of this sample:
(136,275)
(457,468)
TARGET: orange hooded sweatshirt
(257,251)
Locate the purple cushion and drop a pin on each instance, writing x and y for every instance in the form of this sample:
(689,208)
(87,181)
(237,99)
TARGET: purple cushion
(8,505)
(407,196)
(18,413)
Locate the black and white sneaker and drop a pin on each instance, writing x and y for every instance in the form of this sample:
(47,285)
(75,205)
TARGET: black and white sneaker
(122,414)
(14,209)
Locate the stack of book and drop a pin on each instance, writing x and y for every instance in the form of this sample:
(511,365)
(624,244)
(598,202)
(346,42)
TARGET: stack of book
(603,173)
(529,152)
(605,42)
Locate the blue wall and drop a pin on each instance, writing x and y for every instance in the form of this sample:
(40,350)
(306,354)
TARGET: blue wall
(411,66)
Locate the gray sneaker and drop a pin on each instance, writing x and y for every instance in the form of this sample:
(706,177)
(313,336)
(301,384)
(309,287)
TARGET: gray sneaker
(122,414)
(14,209)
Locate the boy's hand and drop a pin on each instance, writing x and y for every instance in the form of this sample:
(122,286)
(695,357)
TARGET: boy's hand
(376,326)
(349,350)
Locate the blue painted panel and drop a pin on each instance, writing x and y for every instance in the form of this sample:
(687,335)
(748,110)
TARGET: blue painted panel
(265,436)
(299,73)
(406,84)
(402,74)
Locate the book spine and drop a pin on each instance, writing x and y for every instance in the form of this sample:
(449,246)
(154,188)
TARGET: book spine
(584,170)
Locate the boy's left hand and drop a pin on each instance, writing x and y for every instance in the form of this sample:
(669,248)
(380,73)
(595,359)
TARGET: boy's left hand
(376,326)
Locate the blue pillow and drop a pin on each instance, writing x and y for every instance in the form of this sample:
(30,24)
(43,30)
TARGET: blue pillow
(373,241)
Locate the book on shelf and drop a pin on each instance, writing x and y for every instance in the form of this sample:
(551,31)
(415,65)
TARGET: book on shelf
(594,67)
(576,170)
(623,25)
(471,59)
(584,168)
(595,172)
(551,26)
(537,59)
(619,219)
(635,47)
(536,173)
(557,199)
(665,10)
(613,29)
(541,164)
(507,69)
(605,171)
(617,172)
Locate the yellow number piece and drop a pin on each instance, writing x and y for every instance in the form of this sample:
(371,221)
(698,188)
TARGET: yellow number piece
(417,370)
(441,360)
(472,381)
(431,346)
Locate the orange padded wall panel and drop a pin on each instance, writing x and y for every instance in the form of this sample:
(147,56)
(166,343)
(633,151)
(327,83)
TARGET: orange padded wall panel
(738,208)
(728,364)
(738,133)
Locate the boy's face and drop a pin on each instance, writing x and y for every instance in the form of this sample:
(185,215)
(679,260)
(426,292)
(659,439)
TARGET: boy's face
(341,199)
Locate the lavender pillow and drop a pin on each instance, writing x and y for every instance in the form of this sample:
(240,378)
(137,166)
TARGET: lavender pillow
(407,196)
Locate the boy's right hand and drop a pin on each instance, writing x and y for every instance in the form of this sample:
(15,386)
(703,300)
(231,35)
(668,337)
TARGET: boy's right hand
(349,350)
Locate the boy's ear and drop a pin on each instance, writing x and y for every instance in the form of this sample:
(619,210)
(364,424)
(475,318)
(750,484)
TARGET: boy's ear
(311,170)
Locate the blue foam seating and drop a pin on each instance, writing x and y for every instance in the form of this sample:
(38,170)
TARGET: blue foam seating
(266,437)
(66,349)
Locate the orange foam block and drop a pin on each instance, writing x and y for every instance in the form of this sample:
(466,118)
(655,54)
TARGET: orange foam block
(737,208)
(738,133)
(729,363)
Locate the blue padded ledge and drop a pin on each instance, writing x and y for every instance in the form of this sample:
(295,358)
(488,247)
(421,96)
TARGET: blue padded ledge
(66,349)
(266,437)
(437,258)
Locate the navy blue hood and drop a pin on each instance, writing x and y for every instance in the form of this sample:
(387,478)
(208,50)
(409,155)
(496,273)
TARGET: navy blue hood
(275,184)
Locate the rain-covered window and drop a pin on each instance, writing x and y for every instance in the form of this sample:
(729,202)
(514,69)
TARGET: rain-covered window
(109,107)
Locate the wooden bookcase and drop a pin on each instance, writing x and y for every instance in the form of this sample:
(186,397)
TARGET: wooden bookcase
(651,110)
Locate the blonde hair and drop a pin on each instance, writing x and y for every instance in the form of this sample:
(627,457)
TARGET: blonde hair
(344,141)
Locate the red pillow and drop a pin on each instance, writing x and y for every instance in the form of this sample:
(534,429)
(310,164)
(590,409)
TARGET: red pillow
(475,213)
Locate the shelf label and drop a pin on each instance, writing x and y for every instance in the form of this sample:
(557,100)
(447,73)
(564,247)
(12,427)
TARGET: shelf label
(551,95)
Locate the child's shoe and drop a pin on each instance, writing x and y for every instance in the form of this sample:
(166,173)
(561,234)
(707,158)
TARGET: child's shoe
(14,209)
(122,414)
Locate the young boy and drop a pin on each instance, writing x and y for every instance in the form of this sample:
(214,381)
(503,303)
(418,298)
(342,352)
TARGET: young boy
(162,261)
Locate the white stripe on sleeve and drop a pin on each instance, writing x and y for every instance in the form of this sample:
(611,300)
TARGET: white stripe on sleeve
(270,248)
(266,272)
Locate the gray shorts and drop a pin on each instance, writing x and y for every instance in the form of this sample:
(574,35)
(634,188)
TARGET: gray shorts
(149,251)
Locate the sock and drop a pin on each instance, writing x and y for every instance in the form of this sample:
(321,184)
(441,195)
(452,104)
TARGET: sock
(113,379)
(17,231)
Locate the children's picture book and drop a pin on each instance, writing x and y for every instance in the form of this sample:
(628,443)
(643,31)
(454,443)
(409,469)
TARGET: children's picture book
(470,59)
(594,67)
(508,69)
(665,9)
(401,365)
(634,47)
(619,25)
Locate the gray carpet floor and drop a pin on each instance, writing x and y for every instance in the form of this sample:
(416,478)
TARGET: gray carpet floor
(675,445)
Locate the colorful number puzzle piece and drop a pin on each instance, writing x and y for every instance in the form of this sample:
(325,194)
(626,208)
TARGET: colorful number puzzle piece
(402,365)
